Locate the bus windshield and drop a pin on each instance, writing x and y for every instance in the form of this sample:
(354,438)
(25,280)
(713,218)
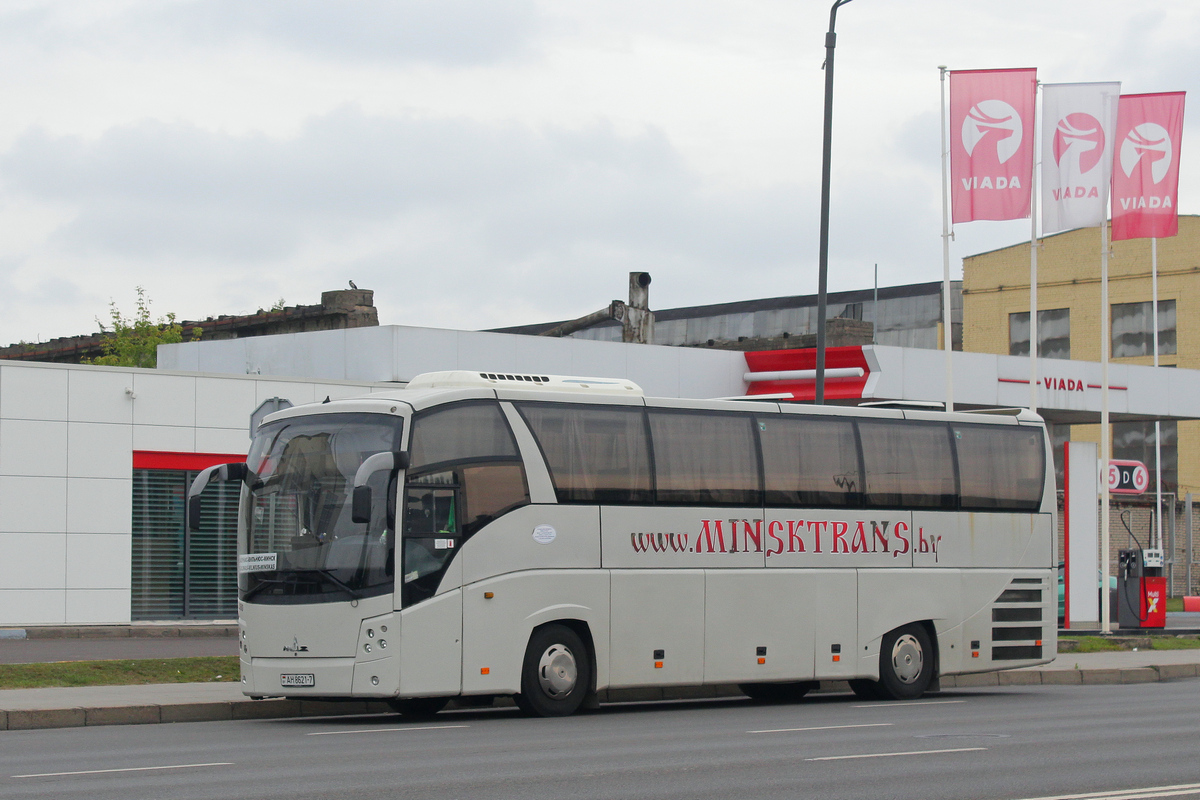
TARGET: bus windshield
(299,544)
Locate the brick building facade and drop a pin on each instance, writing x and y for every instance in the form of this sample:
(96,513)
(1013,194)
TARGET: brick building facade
(996,320)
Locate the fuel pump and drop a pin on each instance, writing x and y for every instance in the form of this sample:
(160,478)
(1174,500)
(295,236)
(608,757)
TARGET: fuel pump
(1141,589)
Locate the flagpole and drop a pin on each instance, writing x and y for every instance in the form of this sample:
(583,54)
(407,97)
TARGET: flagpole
(947,314)
(1105,437)
(1157,423)
(1033,276)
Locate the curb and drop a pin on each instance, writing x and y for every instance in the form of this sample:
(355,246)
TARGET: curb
(196,631)
(281,709)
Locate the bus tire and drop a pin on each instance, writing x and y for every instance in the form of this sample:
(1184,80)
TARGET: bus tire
(905,663)
(418,707)
(777,692)
(556,674)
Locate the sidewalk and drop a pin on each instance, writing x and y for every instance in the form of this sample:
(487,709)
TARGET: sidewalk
(25,709)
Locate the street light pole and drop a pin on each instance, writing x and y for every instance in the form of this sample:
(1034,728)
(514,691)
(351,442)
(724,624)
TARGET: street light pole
(823,264)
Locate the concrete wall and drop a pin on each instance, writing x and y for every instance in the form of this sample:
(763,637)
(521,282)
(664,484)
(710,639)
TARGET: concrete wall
(67,435)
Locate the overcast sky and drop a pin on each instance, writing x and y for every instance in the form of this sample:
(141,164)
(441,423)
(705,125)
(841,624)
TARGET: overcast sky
(481,163)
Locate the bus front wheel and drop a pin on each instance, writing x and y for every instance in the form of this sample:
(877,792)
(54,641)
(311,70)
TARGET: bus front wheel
(556,674)
(905,663)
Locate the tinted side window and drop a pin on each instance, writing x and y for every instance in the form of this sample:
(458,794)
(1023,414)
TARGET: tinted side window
(907,464)
(704,458)
(596,454)
(810,461)
(456,433)
(1002,468)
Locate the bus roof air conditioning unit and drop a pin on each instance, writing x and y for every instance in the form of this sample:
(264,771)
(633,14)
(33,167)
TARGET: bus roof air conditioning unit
(513,380)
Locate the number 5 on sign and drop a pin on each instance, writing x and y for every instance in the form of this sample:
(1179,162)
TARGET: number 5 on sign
(1127,477)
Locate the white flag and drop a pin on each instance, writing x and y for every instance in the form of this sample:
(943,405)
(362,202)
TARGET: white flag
(1078,123)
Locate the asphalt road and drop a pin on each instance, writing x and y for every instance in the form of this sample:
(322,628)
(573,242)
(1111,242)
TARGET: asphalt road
(1002,744)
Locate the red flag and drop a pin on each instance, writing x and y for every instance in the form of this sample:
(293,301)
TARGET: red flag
(992,143)
(1145,176)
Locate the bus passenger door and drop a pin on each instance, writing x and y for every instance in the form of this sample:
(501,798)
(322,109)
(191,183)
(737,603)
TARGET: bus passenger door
(430,587)
(431,646)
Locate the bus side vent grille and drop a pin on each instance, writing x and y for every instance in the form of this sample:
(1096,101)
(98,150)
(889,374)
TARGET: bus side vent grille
(1020,596)
(1019,603)
(1016,634)
(1016,615)
(1016,652)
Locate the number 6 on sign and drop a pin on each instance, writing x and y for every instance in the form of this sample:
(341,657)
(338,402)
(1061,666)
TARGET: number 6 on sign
(1128,477)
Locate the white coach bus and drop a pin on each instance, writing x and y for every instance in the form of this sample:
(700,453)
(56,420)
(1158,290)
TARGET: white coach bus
(476,535)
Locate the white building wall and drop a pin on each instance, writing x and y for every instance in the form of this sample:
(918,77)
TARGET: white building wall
(399,353)
(67,436)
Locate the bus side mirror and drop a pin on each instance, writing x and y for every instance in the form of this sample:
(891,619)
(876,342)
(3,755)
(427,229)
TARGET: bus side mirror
(236,471)
(360,504)
(193,512)
(360,499)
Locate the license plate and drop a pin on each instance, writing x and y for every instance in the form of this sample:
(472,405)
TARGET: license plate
(307,679)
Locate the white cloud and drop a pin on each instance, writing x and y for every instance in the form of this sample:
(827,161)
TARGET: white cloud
(491,162)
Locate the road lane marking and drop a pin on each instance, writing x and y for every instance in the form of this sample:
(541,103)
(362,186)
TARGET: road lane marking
(903,704)
(125,769)
(1129,794)
(891,755)
(828,727)
(388,730)
(1141,794)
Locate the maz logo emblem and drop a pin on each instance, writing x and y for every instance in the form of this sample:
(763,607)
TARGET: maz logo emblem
(296,647)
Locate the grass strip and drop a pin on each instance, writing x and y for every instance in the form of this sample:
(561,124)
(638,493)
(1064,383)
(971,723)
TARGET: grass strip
(1172,643)
(1103,644)
(1096,644)
(203,669)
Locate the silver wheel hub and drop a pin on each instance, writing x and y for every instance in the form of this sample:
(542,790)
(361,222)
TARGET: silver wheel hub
(557,671)
(907,658)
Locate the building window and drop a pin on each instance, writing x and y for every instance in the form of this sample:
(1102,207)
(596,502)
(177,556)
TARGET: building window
(1054,333)
(176,572)
(1134,441)
(1133,331)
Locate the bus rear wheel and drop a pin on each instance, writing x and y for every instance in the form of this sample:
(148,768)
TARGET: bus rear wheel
(905,663)
(556,674)
(777,692)
(418,707)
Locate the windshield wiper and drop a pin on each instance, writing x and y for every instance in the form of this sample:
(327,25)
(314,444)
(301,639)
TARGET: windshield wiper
(336,581)
(303,575)
(263,584)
